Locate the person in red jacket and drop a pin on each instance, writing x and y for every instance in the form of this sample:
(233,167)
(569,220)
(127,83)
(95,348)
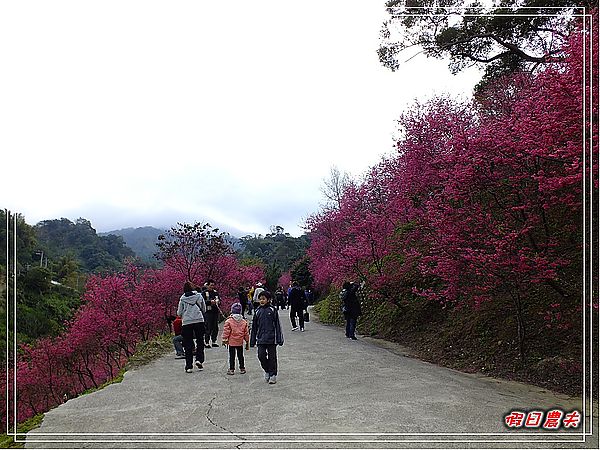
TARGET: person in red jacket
(178,338)
(235,333)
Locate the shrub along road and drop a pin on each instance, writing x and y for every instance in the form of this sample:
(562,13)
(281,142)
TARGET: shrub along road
(326,384)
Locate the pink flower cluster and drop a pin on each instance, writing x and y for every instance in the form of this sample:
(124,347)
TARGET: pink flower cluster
(481,199)
(118,312)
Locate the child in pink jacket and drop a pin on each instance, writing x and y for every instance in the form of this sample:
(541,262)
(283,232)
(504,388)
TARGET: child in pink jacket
(235,332)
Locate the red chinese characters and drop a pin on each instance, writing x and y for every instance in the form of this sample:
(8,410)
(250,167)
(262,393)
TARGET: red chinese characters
(572,419)
(534,419)
(550,420)
(553,419)
(515,419)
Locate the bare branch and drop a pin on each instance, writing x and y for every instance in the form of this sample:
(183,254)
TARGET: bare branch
(511,47)
(333,187)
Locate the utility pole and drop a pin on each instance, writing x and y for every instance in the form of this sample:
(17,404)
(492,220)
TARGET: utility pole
(41,252)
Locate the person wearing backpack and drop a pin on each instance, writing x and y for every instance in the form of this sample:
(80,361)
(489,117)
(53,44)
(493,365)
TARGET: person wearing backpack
(191,309)
(350,307)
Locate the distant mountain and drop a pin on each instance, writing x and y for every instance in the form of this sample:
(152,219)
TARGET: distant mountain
(141,240)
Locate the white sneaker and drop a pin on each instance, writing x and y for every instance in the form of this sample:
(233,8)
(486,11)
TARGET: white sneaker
(301,329)
(267,376)
(188,370)
(294,328)
(273,379)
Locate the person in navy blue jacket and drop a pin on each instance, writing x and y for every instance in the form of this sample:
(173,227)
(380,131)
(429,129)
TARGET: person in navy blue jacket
(267,335)
(297,301)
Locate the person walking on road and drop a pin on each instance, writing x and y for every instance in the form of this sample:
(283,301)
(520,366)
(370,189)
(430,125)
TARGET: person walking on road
(191,308)
(249,300)
(257,290)
(235,333)
(297,302)
(280,298)
(212,314)
(350,307)
(242,298)
(266,335)
(310,296)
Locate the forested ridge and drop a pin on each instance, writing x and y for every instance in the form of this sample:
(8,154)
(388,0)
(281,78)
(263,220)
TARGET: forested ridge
(55,257)
(141,240)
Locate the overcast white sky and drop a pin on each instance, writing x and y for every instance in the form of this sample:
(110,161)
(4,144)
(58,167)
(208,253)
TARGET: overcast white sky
(134,113)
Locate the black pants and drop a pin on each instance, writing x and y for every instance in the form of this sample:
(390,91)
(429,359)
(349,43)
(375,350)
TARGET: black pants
(212,326)
(240,354)
(189,332)
(267,355)
(300,313)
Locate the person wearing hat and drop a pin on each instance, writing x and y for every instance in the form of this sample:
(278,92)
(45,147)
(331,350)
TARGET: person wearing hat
(259,288)
(235,333)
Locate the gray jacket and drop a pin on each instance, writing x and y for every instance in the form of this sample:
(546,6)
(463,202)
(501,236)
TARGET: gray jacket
(191,308)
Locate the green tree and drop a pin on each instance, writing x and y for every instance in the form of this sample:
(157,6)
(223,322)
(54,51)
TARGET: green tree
(60,237)
(276,249)
(37,280)
(272,273)
(510,35)
(26,242)
(301,272)
(41,306)
(67,270)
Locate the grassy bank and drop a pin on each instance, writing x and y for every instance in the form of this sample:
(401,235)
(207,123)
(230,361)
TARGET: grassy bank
(479,339)
(145,353)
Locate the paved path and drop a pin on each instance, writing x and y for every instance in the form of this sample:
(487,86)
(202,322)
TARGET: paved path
(326,384)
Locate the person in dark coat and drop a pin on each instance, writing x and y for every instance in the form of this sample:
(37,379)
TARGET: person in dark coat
(279,298)
(266,334)
(350,307)
(212,314)
(242,298)
(297,302)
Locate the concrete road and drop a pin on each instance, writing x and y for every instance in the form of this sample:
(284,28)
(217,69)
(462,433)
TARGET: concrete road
(364,390)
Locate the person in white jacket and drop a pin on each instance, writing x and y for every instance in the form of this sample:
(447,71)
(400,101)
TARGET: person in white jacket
(259,288)
(191,309)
